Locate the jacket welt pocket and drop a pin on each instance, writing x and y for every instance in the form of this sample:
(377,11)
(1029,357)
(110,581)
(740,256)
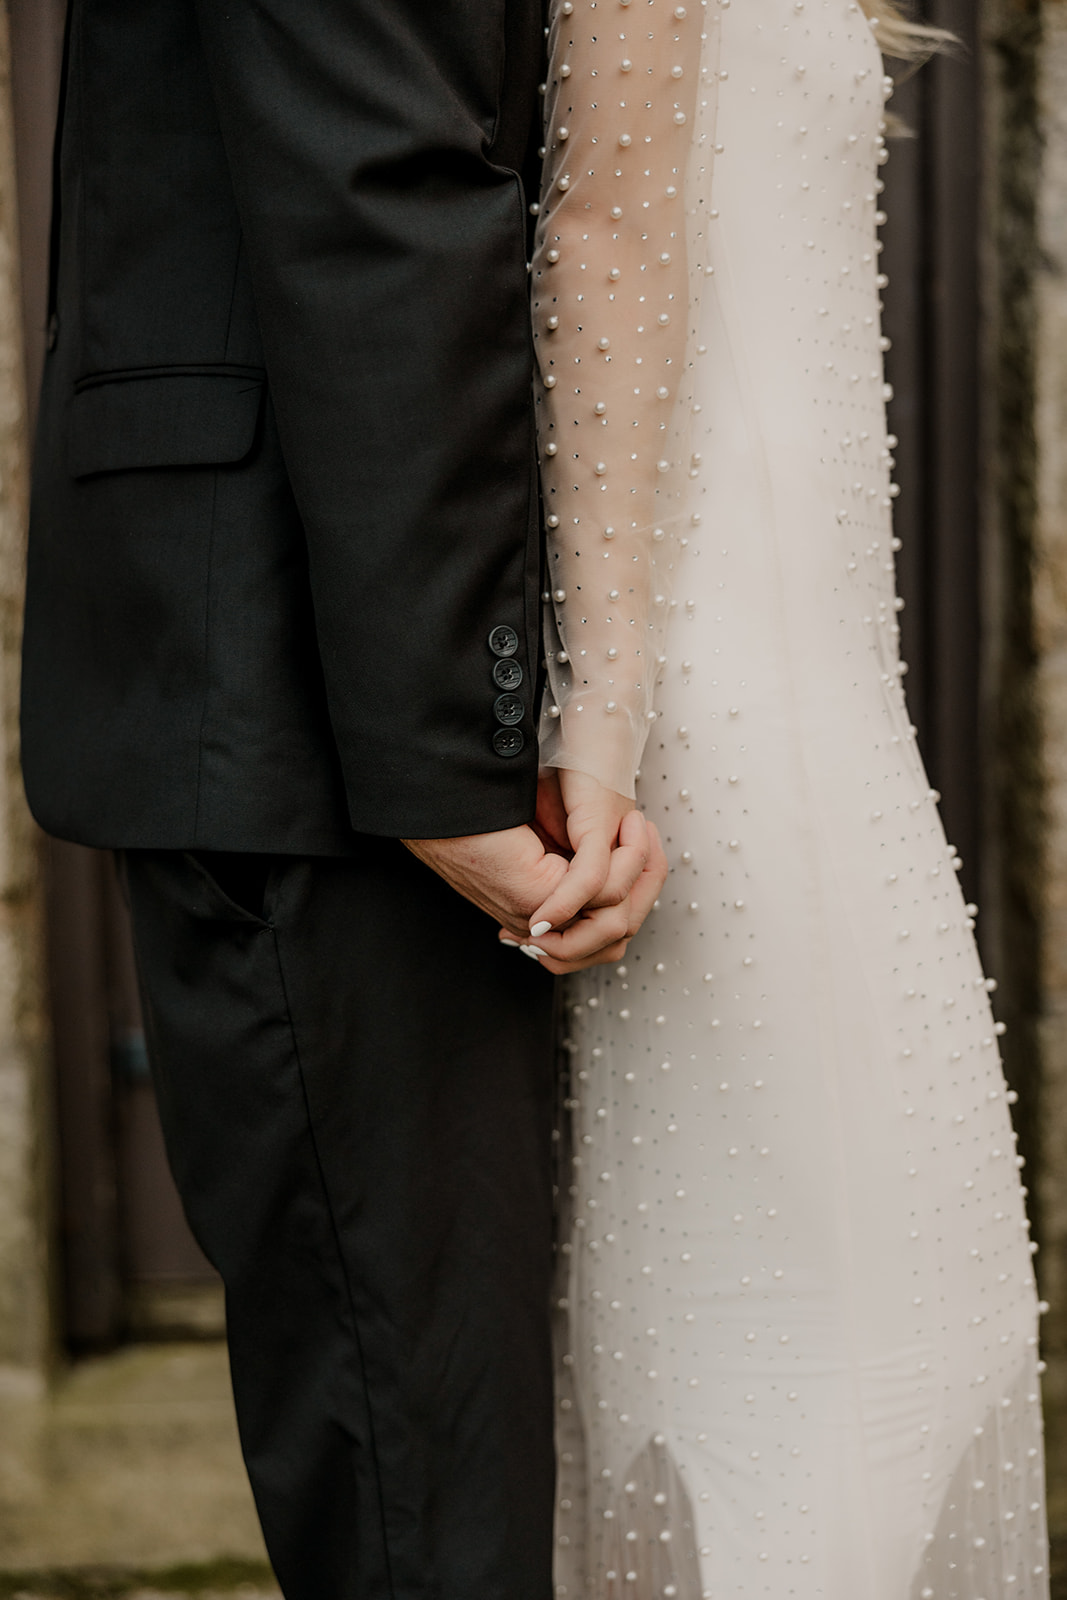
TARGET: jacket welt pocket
(164,418)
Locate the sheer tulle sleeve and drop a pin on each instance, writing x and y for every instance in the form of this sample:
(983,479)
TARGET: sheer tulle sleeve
(616,270)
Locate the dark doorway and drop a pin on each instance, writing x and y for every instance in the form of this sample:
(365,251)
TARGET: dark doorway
(932,316)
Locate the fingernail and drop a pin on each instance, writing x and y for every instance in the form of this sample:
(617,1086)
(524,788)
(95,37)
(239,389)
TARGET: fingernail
(539,928)
(530,950)
(512,944)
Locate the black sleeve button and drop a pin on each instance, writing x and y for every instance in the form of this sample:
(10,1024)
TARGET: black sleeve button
(508,741)
(507,675)
(508,709)
(503,641)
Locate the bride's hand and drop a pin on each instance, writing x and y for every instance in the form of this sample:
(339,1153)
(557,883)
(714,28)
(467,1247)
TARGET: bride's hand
(616,871)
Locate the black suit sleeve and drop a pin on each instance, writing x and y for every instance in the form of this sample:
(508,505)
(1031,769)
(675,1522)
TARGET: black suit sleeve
(375,150)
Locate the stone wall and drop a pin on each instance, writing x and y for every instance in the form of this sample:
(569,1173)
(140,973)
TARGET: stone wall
(24,1267)
(1026,635)
(1050,683)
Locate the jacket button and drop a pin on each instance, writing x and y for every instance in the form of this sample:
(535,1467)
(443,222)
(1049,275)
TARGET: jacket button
(508,741)
(508,709)
(503,641)
(507,674)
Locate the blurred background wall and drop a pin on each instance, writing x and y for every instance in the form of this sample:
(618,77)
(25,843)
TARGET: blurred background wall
(117,1440)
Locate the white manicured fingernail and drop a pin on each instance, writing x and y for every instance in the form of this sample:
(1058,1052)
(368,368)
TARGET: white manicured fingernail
(530,950)
(539,928)
(512,944)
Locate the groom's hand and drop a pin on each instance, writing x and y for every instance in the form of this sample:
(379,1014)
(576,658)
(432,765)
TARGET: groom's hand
(506,874)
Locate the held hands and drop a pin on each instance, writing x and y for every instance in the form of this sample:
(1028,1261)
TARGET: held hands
(616,869)
(584,875)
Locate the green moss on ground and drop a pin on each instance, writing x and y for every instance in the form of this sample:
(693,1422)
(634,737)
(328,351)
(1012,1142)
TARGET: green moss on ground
(112,1583)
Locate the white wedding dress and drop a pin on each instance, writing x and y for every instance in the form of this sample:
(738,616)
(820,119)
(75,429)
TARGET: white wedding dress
(799,1324)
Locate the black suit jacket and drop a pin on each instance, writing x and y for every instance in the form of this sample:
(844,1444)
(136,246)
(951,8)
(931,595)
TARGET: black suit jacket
(285,482)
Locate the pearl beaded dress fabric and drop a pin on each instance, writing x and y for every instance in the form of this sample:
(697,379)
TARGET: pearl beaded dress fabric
(798,1346)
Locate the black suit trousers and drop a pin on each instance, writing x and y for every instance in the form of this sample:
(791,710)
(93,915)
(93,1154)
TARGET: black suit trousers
(356,1088)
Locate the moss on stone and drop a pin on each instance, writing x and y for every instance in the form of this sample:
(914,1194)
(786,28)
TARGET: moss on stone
(226,1576)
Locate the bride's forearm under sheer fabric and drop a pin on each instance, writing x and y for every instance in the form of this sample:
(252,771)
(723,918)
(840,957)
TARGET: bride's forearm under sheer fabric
(611,307)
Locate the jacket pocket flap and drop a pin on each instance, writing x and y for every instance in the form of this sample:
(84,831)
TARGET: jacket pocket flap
(163,419)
